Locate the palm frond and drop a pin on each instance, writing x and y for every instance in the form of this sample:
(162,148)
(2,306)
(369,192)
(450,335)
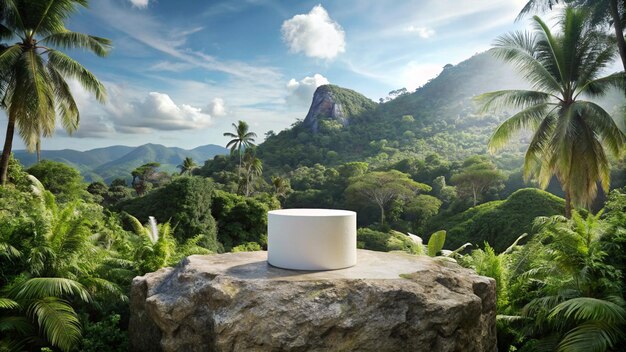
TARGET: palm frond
(603,125)
(73,40)
(99,286)
(520,49)
(511,98)
(6,303)
(529,118)
(66,106)
(58,321)
(591,336)
(536,153)
(534,6)
(71,68)
(40,287)
(600,86)
(9,57)
(46,17)
(588,308)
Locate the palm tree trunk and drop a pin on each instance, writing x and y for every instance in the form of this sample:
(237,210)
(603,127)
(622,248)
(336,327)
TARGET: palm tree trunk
(621,43)
(382,214)
(568,203)
(6,152)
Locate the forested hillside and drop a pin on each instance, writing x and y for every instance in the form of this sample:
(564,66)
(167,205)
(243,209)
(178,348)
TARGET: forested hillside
(439,117)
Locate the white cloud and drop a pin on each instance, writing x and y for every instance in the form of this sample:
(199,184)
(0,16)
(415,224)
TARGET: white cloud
(422,32)
(217,107)
(159,112)
(133,113)
(142,4)
(314,34)
(301,92)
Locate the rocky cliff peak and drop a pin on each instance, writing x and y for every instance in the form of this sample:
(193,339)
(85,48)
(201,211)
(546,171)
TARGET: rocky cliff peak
(333,103)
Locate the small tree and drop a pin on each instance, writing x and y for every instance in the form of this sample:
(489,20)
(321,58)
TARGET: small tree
(142,176)
(383,187)
(476,177)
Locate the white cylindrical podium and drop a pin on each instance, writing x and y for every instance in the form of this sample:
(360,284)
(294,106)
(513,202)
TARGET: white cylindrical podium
(311,239)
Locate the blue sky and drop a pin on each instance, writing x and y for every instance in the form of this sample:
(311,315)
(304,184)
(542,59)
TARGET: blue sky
(181,72)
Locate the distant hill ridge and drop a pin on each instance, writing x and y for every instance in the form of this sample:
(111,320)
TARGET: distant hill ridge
(118,161)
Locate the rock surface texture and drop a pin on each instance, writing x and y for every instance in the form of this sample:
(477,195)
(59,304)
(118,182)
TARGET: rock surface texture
(324,105)
(387,302)
(335,104)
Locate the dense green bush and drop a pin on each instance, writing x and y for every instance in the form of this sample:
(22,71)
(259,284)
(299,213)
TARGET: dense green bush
(62,180)
(104,335)
(385,241)
(498,222)
(185,203)
(241,219)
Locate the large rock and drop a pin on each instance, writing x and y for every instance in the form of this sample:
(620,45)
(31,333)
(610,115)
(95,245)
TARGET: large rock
(334,103)
(387,302)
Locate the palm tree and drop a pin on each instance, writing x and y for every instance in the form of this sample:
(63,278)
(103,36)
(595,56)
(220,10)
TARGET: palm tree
(34,90)
(570,135)
(241,139)
(252,168)
(281,186)
(609,12)
(187,166)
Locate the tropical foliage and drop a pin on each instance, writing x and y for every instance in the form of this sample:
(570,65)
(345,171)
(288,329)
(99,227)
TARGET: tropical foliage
(571,136)
(33,89)
(415,163)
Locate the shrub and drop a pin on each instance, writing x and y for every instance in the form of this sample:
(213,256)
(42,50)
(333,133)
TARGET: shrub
(385,242)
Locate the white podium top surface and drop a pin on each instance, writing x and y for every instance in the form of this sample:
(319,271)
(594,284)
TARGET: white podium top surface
(311,212)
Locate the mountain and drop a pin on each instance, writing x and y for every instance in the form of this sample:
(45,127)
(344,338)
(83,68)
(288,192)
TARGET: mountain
(335,104)
(118,161)
(438,118)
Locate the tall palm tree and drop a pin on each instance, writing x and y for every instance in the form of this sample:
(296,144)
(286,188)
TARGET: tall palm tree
(570,135)
(241,140)
(187,166)
(34,91)
(609,12)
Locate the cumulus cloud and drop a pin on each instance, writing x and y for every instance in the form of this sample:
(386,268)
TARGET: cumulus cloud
(142,4)
(217,107)
(301,92)
(158,111)
(315,34)
(134,113)
(422,32)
